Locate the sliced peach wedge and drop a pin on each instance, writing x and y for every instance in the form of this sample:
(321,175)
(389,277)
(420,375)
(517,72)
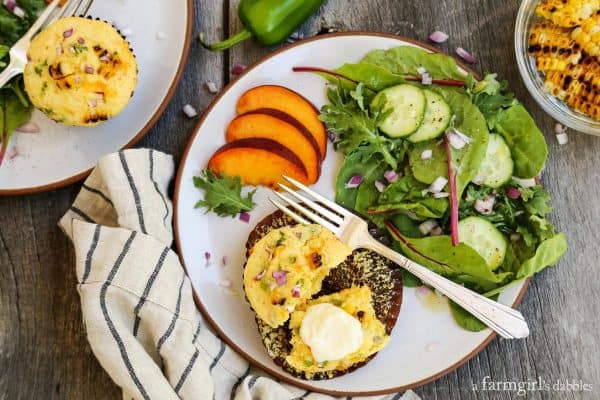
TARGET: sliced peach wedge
(289,102)
(278,126)
(258,161)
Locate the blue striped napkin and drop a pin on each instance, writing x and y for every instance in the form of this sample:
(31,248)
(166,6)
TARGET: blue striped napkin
(140,318)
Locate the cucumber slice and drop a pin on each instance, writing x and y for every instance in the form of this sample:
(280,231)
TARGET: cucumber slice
(484,238)
(497,167)
(437,118)
(408,104)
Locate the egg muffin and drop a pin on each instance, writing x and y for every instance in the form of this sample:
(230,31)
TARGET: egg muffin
(335,329)
(80,71)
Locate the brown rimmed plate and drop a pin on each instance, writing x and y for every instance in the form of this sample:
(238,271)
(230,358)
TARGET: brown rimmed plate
(60,155)
(426,343)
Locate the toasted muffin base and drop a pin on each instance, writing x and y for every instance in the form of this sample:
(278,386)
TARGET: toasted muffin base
(361,268)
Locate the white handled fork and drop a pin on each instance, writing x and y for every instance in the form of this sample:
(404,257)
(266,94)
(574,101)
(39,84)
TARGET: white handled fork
(312,207)
(18,53)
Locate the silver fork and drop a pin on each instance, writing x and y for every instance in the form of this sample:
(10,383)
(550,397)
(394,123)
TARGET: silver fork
(18,53)
(353,231)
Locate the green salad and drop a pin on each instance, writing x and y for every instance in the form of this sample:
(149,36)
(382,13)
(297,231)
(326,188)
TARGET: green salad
(15,109)
(447,165)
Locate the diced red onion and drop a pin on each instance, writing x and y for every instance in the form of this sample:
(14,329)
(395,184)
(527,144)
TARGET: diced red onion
(296,291)
(226,283)
(68,33)
(422,292)
(207,256)
(514,237)
(426,154)
(436,231)
(93,103)
(485,206)
(562,138)
(28,127)
(438,37)
(332,136)
(380,186)
(455,140)
(426,80)
(461,135)
(280,277)
(238,69)
(19,12)
(10,5)
(560,128)
(526,183)
(465,55)
(81,40)
(212,87)
(225,260)
(441,195)
(513,193)
(190,111)
(438,185)
(354,182)
(391,176)
(245,217)
(422,71)
(260,275)
(426,227)
(88,69)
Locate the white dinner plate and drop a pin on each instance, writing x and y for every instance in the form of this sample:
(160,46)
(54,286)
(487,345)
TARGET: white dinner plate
(160,34)
(426,342)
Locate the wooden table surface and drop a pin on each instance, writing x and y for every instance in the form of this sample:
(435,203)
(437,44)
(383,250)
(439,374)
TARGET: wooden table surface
(43,349)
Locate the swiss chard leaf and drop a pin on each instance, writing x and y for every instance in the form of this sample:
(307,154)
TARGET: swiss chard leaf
(14,112)
(406,194)
(549,252)
(223,195)
(372,76)
(406,60)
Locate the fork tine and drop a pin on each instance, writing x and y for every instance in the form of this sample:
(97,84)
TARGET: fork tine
(42,19)
(337,208)
(315,206)
(311,215)
(83,8)
(68,9)
(289,213)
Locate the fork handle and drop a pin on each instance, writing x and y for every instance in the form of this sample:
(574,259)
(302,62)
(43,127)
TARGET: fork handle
(504,320)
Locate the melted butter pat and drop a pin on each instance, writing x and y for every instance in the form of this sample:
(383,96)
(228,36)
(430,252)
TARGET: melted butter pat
(330,332)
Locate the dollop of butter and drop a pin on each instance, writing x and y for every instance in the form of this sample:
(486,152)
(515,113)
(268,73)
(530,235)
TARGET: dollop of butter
(330,332)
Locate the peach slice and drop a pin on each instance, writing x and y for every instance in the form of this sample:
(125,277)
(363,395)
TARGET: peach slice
(258,161)
(289,102)
(265,125)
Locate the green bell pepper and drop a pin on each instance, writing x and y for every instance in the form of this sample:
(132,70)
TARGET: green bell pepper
(268,21)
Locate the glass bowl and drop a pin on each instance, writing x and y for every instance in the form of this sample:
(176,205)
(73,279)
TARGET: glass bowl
(534,81)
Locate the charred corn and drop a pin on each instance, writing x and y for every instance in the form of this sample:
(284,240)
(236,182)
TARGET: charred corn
(588,35)
(553,47)
(568,13)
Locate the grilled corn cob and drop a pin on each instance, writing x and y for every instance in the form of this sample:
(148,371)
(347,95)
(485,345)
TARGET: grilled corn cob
(568,13)
(553,47)
(588,35)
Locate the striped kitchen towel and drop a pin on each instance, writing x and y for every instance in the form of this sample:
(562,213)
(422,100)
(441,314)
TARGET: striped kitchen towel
(140,318)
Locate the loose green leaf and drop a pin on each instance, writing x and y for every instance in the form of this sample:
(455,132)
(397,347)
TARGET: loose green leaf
(223,195)
(526,141)
(490,96)
(405,60)
(356,126)
(465,319)
(549,252)
(372,76)
(13,113)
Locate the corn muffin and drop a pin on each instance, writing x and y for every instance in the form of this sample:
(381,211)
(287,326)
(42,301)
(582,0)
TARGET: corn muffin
(80,71)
